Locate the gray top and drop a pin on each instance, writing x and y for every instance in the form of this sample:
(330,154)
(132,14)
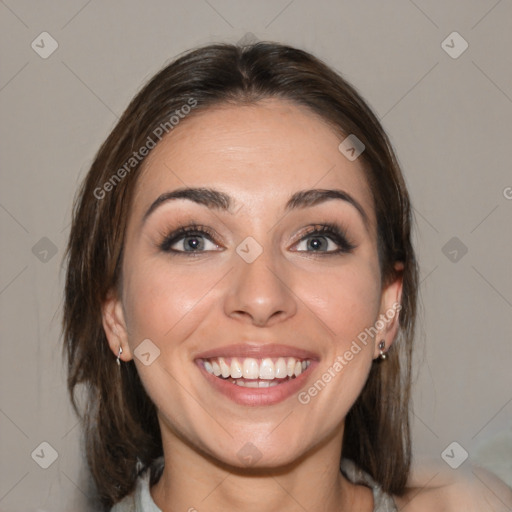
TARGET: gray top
(141,501)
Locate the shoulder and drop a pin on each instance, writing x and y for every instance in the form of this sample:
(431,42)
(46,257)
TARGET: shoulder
(127,504)
(475,490)
(140,500)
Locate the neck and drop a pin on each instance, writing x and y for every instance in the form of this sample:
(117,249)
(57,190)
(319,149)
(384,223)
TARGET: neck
(193,481)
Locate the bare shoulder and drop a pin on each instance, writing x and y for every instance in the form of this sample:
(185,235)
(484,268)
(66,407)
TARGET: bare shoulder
(475,490)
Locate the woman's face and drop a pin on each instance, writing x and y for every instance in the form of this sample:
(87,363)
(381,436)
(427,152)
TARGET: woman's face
(237,260)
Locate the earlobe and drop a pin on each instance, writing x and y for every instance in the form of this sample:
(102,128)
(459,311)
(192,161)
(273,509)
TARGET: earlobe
(115,327)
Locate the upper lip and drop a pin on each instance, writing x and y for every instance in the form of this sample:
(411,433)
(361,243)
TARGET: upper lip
(258,351)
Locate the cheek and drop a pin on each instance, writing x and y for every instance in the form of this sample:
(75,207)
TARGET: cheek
(157,300)
(347,300)
(166,307)
(348,306)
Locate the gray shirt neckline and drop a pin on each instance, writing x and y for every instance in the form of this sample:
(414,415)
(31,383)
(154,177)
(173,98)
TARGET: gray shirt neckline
(141,501)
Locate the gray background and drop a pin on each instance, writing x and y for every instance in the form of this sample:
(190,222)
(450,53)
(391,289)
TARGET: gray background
(450,120)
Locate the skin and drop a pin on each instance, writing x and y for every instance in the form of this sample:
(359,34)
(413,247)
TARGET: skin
(186,304)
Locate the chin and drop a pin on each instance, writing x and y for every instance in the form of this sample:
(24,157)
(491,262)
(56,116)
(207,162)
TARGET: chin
(259,450)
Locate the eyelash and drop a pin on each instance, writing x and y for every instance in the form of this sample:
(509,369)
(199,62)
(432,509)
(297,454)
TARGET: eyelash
(328,230)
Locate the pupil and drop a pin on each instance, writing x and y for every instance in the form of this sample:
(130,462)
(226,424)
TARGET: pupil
(194,243)
(315,243)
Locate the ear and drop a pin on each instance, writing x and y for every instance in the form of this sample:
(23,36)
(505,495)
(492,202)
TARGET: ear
(114,325)
(391,303)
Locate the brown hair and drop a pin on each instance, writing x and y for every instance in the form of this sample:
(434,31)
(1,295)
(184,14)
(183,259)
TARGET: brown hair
(122,434)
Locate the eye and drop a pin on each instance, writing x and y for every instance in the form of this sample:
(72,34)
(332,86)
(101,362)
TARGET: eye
(325,238)
(317,243)
(192,243)
(189,239)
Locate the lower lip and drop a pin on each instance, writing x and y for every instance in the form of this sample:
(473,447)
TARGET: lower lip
(258,396)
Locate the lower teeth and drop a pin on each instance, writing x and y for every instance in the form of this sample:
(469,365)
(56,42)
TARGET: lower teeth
(258,383)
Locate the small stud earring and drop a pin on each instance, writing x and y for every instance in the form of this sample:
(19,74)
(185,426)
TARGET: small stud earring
(382,345)
(118,360)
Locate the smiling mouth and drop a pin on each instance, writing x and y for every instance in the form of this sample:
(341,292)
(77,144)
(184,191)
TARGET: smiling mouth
(251,372)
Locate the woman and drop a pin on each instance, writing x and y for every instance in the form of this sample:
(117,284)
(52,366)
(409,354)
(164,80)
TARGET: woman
(241,295)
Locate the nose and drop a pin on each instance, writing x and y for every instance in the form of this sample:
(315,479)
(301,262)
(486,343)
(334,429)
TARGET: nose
(259,293)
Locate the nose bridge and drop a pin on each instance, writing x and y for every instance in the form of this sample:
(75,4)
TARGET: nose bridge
(259,290)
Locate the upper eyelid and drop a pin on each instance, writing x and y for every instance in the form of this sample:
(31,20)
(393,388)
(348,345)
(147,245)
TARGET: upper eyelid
(310,230)
(322,228)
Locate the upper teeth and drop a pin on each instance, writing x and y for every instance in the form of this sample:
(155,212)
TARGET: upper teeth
(250,368)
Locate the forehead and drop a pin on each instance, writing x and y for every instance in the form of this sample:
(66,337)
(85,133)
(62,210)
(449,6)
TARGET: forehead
(260,154)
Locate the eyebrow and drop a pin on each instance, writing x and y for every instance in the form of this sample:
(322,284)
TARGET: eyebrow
(215,199)
(312,197)
(208,197)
